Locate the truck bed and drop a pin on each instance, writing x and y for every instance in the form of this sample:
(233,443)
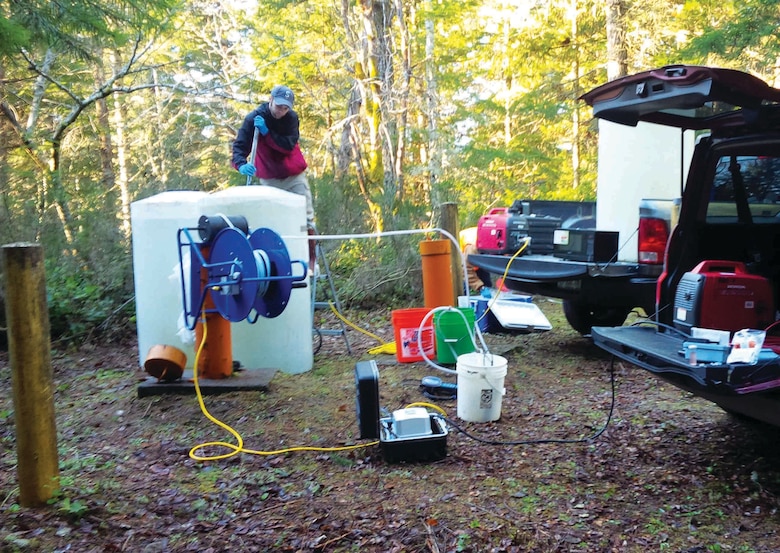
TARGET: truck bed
(612,284)
(749,390)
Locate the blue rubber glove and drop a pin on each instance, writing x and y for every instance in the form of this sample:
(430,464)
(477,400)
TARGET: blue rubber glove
(260,125)
(247,169)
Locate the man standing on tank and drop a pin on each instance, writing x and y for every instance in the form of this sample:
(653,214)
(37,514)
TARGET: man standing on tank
(278,160)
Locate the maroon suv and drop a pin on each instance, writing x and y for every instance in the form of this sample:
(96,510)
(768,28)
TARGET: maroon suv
(722,261)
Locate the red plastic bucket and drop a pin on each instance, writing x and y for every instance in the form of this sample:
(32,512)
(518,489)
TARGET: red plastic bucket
(406,327)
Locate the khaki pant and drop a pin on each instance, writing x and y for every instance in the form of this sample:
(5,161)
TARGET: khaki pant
(297,184)
(477,278)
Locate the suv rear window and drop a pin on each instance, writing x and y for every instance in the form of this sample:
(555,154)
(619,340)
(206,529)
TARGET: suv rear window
(745,189)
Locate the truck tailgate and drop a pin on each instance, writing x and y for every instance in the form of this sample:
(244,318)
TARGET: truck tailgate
(750,390)
(548,268)
(529,267)
(662,352)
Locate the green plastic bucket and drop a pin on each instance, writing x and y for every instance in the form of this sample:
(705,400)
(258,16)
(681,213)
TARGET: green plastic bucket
(454,334)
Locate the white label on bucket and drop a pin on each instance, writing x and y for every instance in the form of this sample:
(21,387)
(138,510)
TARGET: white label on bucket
(486,398)
(409,342)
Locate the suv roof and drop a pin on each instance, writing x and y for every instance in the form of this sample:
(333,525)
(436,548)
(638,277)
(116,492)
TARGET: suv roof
(683,96)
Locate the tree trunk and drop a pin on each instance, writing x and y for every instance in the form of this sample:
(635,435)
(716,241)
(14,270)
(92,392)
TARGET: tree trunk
(122,180)
(575,138)
(403,101)
(617,65)
(433,153)
(370,80)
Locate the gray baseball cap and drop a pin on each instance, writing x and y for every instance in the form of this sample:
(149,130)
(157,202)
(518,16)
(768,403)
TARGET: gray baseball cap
(283,96)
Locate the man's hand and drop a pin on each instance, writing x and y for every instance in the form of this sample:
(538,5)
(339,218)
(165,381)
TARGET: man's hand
(260,125)
(247,169)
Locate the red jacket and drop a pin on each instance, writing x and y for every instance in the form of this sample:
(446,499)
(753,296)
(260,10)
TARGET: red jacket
(278,152)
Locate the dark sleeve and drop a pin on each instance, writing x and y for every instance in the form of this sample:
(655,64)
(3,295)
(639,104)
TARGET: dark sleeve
(242,145)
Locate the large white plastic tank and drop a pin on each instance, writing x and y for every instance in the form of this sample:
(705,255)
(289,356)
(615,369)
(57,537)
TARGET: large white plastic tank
(158,304)
(284,342)
(635,163)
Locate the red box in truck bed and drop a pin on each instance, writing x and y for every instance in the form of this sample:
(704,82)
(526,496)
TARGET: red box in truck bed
(492,235)
(723,295)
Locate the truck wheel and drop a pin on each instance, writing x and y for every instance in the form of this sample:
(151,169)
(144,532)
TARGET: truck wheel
(582,317)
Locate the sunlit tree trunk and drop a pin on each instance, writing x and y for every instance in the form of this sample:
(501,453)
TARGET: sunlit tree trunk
(506,75)
(370,81)
(617,65)
(156,134)
(403,100)
(122,180)
(25,133)
(431,145)
(575,142)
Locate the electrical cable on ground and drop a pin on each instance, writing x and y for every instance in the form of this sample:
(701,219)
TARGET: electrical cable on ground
(428,405)
(238,447)
(548,440)
(390,347)
(385,347)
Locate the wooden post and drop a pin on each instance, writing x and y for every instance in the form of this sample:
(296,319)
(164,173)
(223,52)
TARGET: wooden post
(449,222)
(27,315)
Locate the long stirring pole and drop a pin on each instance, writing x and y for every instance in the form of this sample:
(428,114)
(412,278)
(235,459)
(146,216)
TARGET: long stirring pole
(252,155)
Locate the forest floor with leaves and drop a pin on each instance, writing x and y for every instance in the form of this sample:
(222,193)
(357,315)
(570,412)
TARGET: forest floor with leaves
(669,473)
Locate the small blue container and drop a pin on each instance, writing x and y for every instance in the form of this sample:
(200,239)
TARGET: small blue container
(707,353)
(480,305)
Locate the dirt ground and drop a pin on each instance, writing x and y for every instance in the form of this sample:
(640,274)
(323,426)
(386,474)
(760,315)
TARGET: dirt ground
(669,473)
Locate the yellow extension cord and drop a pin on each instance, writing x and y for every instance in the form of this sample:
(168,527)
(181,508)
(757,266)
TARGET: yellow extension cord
(384,347)
(390,347)
(234,449)
(503,278)
(239,447)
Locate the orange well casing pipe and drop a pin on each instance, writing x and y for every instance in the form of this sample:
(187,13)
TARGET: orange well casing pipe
(438,289)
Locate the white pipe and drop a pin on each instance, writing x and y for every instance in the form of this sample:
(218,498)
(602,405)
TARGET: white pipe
(376,235)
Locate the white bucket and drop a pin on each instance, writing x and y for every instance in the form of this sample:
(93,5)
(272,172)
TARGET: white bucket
(480,386)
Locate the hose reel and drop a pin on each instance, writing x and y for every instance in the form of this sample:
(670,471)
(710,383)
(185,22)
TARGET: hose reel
(246,274)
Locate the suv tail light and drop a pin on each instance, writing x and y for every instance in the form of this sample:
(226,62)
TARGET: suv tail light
(653,235)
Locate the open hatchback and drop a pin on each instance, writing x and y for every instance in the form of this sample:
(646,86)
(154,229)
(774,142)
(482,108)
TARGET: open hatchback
(722,260)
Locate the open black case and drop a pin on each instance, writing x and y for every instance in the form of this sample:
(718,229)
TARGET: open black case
(410,434)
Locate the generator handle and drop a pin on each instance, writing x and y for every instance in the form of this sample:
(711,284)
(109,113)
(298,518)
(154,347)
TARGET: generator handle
(497,210)
(720,266)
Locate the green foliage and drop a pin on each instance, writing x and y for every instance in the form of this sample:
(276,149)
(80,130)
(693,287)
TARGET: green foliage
(375,273)
(739,34)
(83,304)
(477,105)
(12,36)
(75,509)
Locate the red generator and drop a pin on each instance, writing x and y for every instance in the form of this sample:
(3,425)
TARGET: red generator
(724,296)
(492,234)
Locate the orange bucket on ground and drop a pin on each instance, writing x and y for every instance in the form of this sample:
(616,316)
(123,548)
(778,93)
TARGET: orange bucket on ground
(406,327)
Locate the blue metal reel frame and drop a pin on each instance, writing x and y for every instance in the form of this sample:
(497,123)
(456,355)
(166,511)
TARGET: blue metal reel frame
(244,274)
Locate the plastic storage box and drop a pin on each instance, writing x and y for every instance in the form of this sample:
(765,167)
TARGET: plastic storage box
(706,353)
(426,447)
